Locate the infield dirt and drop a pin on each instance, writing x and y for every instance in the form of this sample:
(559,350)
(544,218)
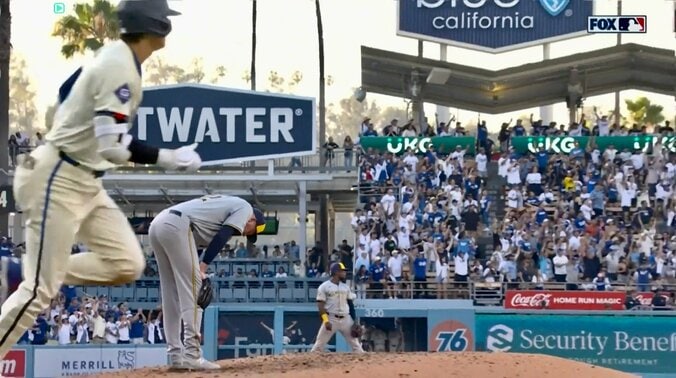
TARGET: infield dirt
(390,365)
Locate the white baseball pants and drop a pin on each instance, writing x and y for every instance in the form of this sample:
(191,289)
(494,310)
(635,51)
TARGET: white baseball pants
(342,325)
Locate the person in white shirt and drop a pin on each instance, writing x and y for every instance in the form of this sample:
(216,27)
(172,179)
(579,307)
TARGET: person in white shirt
(560,263)
(461,262)
(503,165)
(534,181)
(123,326)
(514,174)
(586,210)
(404,239)
(459,156)
(388,201)
(602,123)
(513,198)
(627,195)
(481,163)
(610,153)
(111,331)
(82,330)
(64,332)
(395,266)
(98,327)
(411,160)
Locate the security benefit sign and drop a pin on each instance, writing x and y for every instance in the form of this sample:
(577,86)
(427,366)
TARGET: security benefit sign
(228,125)
(628,343)
(493,25)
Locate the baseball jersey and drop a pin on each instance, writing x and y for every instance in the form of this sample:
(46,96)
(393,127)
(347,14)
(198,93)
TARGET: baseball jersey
(335,297)
(210,213)
(109,85)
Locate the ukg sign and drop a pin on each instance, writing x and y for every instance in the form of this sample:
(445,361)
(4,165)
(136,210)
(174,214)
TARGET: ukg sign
(228,125)
(493,25)
(565,144)
(564,300)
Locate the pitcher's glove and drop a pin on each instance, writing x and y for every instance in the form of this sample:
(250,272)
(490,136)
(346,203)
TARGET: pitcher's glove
(206,294)
(356,331)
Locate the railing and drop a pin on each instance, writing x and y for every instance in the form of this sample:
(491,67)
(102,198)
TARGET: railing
(339,163)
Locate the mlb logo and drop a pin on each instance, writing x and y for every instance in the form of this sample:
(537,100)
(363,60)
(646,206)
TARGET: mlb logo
(616,24)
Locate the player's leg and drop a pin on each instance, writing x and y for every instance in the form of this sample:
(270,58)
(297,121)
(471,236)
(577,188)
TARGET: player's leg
(345,328)
(116,256)
(50,202)
(323,337)
(171,313)
(179,245)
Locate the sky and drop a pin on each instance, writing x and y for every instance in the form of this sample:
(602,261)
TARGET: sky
(219,31)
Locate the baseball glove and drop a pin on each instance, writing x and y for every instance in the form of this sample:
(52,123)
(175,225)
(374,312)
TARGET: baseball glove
(206,294)
(356,331)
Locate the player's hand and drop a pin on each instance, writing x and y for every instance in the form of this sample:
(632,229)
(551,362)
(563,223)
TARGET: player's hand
(328,326)
(181,159)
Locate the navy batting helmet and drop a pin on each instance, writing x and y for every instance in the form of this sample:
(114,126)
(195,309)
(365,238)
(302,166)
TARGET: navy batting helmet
(145,16)
(337,267)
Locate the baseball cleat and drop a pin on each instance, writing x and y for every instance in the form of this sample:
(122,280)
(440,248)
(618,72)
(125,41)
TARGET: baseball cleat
(199,364)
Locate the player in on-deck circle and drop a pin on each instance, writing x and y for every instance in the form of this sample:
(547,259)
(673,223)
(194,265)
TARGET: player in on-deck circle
(335,301)
(58,185)
(206,222)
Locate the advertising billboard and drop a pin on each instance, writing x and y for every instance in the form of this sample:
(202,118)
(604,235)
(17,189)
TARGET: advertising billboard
(399,145)
(248,334)
(493,25)
(228,125)
(564,300)
(7,204)
(91,360)
(565,144)
(13,364)
(627,343)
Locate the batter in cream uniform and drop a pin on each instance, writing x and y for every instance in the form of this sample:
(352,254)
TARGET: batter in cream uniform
(59,185)
(334,299)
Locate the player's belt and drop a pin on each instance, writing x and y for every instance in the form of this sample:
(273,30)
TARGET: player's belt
(176,212)
(337,316)
(76,163)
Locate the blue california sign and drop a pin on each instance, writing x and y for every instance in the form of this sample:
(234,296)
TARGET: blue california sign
(493,25)
(228,125)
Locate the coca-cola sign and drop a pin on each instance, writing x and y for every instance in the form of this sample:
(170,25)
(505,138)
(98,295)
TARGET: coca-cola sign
(530,301)
(564,300)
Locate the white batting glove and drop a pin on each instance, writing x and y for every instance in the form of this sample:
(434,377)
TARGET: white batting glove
(181,159)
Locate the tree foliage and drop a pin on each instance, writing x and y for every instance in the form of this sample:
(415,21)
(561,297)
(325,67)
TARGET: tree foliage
(22,110)
(642,111)
(159,72)
(346,116)
(88,29)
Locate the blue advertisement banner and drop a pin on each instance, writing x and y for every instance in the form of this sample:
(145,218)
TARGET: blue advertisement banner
(493,25)
(228,125)
(626,343)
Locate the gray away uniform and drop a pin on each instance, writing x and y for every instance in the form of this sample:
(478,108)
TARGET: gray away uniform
(175,235)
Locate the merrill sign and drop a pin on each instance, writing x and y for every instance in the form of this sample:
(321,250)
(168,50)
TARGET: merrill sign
(493,25)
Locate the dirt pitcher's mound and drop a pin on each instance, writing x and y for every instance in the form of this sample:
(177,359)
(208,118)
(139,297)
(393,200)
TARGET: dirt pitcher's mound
(402,365)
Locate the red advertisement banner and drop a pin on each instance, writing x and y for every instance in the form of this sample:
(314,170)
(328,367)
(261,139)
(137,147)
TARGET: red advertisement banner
(14,364)
(564,300)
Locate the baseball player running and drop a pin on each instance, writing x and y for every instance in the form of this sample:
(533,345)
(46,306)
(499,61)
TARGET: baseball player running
(208,222)
(336,308)
(59,185)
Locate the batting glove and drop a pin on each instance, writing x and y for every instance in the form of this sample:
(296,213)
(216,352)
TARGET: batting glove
(181,159)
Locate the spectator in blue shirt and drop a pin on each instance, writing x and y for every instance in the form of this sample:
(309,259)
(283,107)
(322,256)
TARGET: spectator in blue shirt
(378,273)
(138,324)
(420,275)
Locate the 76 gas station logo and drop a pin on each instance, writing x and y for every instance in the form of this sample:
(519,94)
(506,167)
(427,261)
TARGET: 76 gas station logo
(451,336)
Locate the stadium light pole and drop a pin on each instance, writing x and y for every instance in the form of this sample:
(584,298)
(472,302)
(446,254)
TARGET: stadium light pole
(617,93)
(254,15)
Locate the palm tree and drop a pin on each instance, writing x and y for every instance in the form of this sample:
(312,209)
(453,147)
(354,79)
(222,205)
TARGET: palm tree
(254,15)
(642,111)
(5,53)
(91,26)
(323,199)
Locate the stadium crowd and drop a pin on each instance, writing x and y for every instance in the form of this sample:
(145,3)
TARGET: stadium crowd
(588,220)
